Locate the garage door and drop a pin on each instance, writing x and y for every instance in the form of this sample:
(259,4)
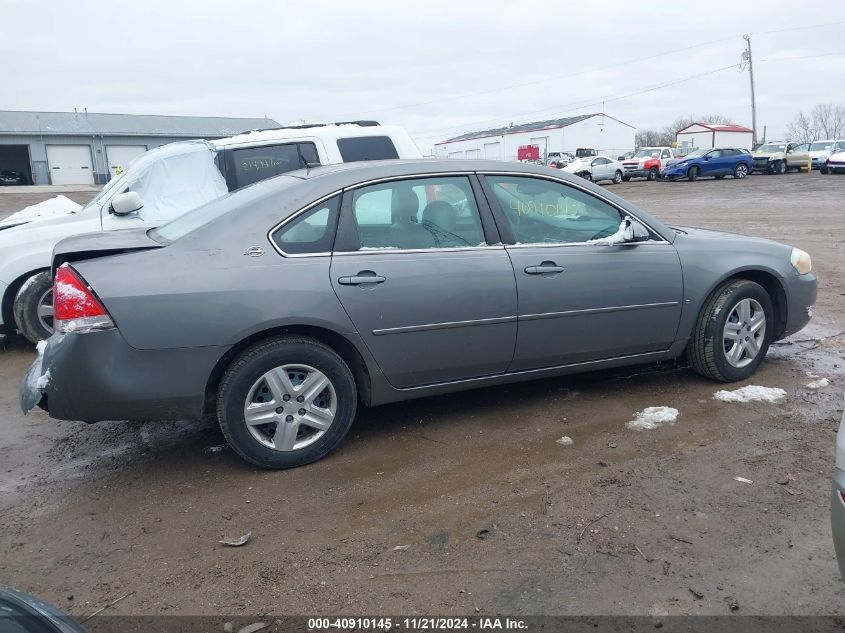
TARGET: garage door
(493,150)
(473,153)
(122,155)
(70,164)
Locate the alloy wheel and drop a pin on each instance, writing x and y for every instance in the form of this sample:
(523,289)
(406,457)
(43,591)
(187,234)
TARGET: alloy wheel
(290,407)
(741,171)
(45,310)
(744,333)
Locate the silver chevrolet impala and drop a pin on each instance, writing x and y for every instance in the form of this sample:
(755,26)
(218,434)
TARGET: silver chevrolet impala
(285,305)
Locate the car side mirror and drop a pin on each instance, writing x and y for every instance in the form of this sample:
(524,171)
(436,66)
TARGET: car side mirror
(126,203)
(634,231)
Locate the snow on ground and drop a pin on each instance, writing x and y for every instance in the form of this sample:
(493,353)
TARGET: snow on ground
(652,418)
(751,393)
(565,441)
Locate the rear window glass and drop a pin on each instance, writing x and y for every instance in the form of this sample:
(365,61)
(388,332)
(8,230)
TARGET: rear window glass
(366,148)
(253,164)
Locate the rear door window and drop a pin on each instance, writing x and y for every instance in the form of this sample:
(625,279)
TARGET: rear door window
(366,148)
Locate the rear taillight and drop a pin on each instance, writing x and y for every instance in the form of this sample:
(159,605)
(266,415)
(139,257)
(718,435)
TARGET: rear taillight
(76,308)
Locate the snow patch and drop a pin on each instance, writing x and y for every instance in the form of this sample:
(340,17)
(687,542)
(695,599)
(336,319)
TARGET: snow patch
(819,383)
(565,441)
(43,381)
(751,393)
(40,347)
(616,238)
(652,418)
(60,205)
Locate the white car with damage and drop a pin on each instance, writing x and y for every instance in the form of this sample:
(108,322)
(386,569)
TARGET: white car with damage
(162,184)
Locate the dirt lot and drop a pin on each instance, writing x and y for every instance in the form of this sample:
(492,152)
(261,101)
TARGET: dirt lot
(622,522)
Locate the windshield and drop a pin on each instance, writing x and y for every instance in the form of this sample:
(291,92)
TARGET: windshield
(821,146)
(697,153)
(772,147)
(646,152)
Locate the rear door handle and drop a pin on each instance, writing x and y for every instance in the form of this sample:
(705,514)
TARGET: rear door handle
(544,268)
(363,277)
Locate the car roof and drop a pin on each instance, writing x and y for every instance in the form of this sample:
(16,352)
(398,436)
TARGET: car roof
(326,132)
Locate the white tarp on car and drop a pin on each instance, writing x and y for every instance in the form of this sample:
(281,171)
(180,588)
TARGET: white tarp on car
(171,180)
(174,179)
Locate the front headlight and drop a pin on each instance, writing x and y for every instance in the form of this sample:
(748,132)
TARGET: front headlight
(801,261)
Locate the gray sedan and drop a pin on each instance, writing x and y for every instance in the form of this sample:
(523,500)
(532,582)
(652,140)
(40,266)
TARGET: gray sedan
(285,305)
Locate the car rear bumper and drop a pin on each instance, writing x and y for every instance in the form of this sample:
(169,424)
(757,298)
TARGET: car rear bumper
(837,518)
(801,293)
(99,376)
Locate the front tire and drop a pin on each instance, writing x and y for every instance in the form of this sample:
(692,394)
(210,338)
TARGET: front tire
(33,307)
(626,179)
(286,402)
(652,173)
(617,177)
(823,169)
(733,332)
(692,173)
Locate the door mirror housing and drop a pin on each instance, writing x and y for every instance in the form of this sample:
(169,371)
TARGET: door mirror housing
(634,231)
(126,203)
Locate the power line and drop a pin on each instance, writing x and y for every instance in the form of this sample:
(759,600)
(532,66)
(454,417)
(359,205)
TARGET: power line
(583,72)
(578,105)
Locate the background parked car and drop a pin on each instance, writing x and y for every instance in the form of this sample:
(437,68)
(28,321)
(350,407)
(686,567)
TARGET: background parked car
(559,159)
(779,157)
(596,168)
(718,162)
(328,288)
(584,152)
(9,177)
(159,178)
(647,162)
(820,151)
(835,164)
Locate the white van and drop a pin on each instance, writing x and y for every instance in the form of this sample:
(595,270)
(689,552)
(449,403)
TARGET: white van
(164,183)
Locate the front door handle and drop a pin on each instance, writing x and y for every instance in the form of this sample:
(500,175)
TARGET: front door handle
(363,277)
(544,269)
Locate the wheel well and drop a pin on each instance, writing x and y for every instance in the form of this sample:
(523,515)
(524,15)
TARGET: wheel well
(346,350)
(777,294)
(8,299)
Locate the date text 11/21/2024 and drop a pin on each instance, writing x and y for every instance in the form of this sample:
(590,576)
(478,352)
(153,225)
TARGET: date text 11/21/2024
(417,624)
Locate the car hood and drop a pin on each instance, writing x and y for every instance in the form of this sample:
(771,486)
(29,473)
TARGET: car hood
(56,225)
(709,234)
(819,153)
(766,154)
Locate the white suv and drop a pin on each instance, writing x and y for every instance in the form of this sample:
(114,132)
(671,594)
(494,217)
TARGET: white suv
(153,191)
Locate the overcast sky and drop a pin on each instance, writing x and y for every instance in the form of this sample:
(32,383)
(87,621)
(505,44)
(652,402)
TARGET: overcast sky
(438,68)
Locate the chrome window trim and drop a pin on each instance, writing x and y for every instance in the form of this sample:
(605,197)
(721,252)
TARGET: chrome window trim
(290,219)
(396,251)
(575,185)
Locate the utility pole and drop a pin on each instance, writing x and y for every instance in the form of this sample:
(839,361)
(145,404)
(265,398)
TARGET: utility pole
(746,57)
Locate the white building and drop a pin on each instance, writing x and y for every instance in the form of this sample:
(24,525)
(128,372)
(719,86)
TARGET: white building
(608,136)
(710,135)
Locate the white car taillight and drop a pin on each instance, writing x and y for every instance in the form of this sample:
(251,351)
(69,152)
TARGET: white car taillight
(76,308)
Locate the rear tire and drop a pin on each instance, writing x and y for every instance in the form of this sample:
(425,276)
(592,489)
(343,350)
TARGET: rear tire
(692,173)
(706,350)
(741,171)
(240,382)
(33,307)
(626,178)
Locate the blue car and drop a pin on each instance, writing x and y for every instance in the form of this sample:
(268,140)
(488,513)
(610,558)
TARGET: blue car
(718,162)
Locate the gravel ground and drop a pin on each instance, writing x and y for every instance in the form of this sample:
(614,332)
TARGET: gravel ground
(451,504)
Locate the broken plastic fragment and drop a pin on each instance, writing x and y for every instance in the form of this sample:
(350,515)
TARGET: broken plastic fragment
(236,542)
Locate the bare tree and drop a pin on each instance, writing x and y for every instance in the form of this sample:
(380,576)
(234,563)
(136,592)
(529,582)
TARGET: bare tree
(825,121)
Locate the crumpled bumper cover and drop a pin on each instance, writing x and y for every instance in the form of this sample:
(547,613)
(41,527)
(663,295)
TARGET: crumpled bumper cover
(801,293)
(98,376)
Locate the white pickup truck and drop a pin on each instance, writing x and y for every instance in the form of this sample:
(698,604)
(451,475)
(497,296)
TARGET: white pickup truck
(163,184)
